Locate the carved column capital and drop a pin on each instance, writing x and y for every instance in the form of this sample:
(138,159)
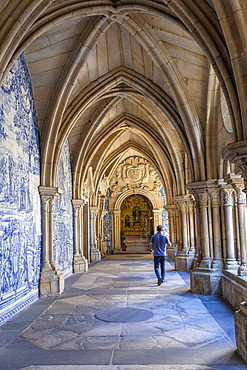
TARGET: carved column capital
(77,205)
(241,196)
(180,202)
(191,205)
(228,199)
(237,153)
(215,197)
(202,198)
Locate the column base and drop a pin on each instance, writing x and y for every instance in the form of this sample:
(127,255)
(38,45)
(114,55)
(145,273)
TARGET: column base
(95,255)
(240,318)
(231,265)
(218,264)
(205,281)
(242,270)
(171,252)
(183,262)
(104,249)
(80,264)
(205,263)
(51,283)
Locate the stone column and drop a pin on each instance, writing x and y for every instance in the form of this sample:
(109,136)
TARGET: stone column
(237,153)
(204,279)
(203,203)
(217,246)
(117,226)
(230,263)
(157,213)
(94,252)
(191,213)
(80,263)
(51,278)
(241,202)
(183,261)
(85,231)
(172,250)
(182,206)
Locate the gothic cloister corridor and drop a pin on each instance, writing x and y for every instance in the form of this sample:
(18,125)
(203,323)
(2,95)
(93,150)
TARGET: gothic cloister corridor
(116,317)
(117,116)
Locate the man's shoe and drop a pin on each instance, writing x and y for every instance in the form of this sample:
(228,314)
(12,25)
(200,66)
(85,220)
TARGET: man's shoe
(159,280)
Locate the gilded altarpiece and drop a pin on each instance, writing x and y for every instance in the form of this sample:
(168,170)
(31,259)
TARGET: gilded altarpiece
(136,216)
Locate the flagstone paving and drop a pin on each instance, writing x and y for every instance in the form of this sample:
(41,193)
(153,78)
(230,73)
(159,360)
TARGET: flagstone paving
(116,317)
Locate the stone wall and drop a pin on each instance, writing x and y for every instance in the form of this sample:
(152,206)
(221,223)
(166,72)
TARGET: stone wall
(63,215)
(234,288)
(20,214)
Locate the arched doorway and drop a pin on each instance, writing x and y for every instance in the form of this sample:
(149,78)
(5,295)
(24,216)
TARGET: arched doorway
(136,224)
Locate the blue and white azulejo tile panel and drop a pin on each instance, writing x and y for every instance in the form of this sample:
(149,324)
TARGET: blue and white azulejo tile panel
(63,215)
(20,211)
(107,223)
(165,222)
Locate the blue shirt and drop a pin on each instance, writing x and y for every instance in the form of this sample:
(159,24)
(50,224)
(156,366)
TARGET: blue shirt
(159,242)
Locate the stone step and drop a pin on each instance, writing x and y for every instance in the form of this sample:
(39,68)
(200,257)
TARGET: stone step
(136,244)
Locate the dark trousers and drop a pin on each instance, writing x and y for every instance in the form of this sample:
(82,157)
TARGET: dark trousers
(159,262)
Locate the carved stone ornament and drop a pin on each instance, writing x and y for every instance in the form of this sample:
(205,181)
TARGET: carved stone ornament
(134,173)
(228,201)
(215,197)
(203,198)
(241,196)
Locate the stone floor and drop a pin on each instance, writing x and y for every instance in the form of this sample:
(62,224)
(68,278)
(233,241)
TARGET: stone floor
(116,317)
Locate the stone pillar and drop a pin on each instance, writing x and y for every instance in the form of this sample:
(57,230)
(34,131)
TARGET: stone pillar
(183,260)
(80,263)
(217,246)
(230,263)
(94,252)
(51,278)
(172,250)
(85,231)
(157,213)
(191,213)
(203,204)
(241,202)
(237,153)
(204,279)
(117,227)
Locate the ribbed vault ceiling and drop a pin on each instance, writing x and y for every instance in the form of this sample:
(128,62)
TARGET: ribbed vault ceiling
(125,76)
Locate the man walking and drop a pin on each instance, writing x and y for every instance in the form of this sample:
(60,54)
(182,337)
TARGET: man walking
(158,245)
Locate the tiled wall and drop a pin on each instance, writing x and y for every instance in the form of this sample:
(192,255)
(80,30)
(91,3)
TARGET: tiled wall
(107,223)
(20,214)
(165,222)
(63,215)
